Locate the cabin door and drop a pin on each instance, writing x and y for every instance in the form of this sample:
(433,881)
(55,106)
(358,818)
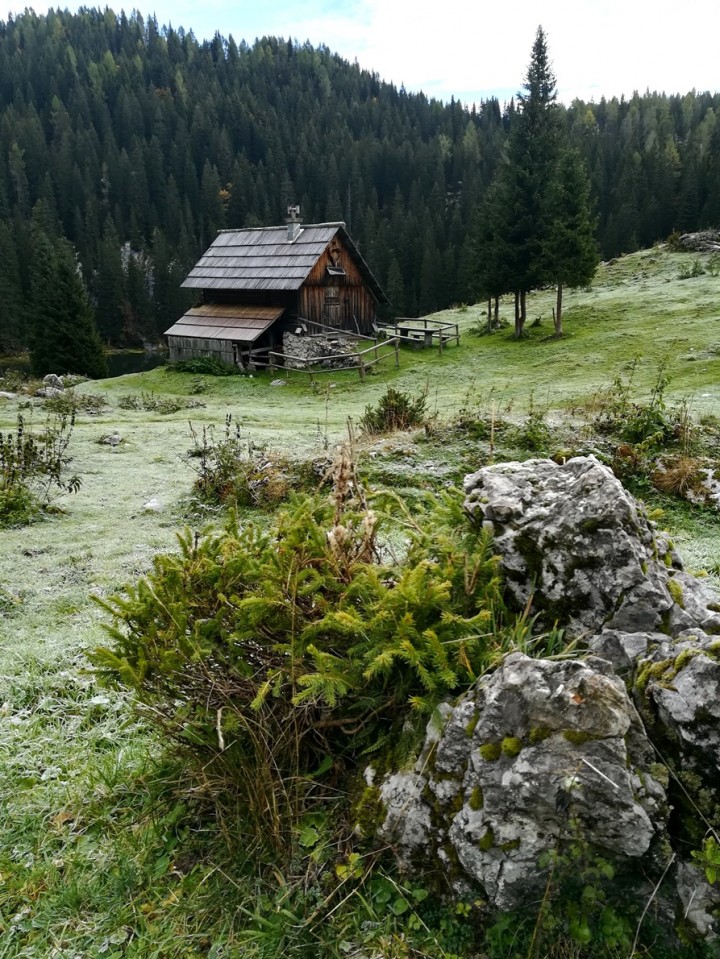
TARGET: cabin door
(332,314)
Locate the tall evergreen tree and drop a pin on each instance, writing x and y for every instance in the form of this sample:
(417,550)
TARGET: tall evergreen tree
(520,215)
(110,287)
(536,225)
(570,250)
(64,337)
(12,314)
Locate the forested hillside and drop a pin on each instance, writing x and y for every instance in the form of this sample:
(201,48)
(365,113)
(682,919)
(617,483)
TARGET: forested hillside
(137,143)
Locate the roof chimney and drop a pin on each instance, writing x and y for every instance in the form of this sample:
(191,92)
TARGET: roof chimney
(293,224)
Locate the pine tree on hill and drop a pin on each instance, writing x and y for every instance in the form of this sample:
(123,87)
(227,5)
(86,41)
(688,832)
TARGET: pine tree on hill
(536,226)
(12,314)
(570,251)
(63,334)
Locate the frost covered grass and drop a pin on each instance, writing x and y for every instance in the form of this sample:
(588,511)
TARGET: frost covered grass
(101,853)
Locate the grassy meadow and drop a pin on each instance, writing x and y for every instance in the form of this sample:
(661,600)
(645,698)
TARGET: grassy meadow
(101,852)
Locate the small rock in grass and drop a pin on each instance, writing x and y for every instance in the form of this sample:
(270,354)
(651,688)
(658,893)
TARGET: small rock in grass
(48,392)
(279,383)
(153,505)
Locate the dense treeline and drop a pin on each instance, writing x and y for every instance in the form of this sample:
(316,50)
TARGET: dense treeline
(136,143)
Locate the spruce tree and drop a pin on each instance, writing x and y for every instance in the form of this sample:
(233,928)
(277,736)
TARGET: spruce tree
(533,152)
(570,249)
(64,337)
(110,287)
(12,315)
(536,225)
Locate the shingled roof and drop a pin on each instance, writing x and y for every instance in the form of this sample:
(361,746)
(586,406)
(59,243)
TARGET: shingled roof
(222,321)
(265,259)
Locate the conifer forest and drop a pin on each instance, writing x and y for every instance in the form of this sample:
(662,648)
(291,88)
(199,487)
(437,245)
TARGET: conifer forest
(134,143)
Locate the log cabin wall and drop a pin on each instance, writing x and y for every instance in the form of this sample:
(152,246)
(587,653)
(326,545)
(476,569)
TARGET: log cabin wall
(341,301)
(190,347)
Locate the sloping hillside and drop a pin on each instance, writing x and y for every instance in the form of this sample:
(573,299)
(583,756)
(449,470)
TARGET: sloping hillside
(101,853)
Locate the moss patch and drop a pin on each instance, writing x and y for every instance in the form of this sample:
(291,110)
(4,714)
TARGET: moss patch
(477,800)
(369,811)
(652,671)
(511,746)
(490,752)
(676,591)
(539,734)
(487,841)
(577,737)
(683,658)
(660,773)
(470,728)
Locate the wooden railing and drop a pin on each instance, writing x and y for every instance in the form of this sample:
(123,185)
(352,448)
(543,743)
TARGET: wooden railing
(324,330)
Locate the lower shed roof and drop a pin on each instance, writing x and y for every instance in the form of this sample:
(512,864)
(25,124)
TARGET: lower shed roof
(221,321)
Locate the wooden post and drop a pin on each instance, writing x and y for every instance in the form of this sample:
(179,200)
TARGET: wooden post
(361,367)
(397,352)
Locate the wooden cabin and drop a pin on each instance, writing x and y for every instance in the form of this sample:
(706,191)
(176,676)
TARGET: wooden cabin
(256,284)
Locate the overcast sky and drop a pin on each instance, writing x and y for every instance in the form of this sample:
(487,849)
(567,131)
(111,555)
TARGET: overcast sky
(470,50)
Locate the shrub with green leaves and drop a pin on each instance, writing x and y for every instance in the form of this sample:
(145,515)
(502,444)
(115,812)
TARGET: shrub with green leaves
(274,657)
(232,471)
(395,411)
(34,469)
(634,421)
(70,403)
(533,433)
(690,272)
(151,402)
(206,365)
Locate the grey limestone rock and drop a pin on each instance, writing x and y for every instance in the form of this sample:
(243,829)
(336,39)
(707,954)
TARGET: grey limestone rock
(688,707)
(698,899)
(706,241)
(541,750)
(572,538)
(48,392)
(534,747)
(113,439)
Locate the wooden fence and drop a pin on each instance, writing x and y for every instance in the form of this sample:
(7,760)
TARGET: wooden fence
(316,328)
(363,361)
